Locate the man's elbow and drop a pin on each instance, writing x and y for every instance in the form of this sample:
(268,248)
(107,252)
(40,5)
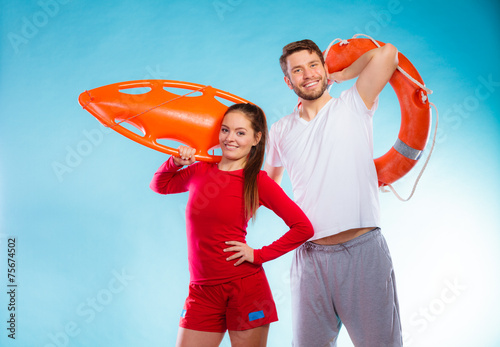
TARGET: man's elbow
(275,173)
(390,53)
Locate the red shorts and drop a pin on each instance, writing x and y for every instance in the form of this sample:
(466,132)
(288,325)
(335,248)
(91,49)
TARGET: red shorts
(241,304)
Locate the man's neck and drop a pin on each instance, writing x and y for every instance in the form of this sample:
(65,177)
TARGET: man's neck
(310,108)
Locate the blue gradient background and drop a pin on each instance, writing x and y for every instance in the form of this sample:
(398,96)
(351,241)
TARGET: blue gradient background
(101,259)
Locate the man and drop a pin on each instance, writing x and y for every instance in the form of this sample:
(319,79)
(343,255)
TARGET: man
(344,274)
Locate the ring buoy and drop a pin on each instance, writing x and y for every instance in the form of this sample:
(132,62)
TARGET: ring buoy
(415,109)
(160,114)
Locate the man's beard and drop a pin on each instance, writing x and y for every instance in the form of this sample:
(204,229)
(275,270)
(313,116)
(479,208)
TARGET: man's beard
(311,95)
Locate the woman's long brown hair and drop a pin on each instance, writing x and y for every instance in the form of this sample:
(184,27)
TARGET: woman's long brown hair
(255,158)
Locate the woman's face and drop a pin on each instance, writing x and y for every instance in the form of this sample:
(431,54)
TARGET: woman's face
(236,136)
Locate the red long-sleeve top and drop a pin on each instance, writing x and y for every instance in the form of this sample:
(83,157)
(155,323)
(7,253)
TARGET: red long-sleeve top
(215,214)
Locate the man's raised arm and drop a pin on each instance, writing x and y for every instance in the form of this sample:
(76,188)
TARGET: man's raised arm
(373,69)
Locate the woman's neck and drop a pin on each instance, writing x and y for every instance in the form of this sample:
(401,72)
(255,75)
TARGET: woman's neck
(231,165)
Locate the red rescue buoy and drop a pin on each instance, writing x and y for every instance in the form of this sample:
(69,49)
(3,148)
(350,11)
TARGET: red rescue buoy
(192,118)
(415,109)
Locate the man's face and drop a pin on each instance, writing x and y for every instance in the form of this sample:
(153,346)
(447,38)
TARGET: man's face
(306,75)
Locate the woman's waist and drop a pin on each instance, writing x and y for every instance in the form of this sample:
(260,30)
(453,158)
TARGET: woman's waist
(211,272)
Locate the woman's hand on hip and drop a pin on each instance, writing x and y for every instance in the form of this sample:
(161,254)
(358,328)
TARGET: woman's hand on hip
(243,251)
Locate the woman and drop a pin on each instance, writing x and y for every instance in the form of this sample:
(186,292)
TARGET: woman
(228,288)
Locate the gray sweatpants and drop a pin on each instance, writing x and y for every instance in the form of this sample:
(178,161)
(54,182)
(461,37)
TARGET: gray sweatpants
(352,284)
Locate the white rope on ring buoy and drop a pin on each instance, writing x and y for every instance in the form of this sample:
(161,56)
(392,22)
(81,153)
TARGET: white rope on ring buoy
(424,98)
(382,188)
(343,42)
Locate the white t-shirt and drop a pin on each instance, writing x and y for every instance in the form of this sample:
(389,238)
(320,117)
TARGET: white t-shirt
(330,164)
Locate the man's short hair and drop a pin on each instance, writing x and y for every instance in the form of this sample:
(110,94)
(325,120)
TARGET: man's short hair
(297,46)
